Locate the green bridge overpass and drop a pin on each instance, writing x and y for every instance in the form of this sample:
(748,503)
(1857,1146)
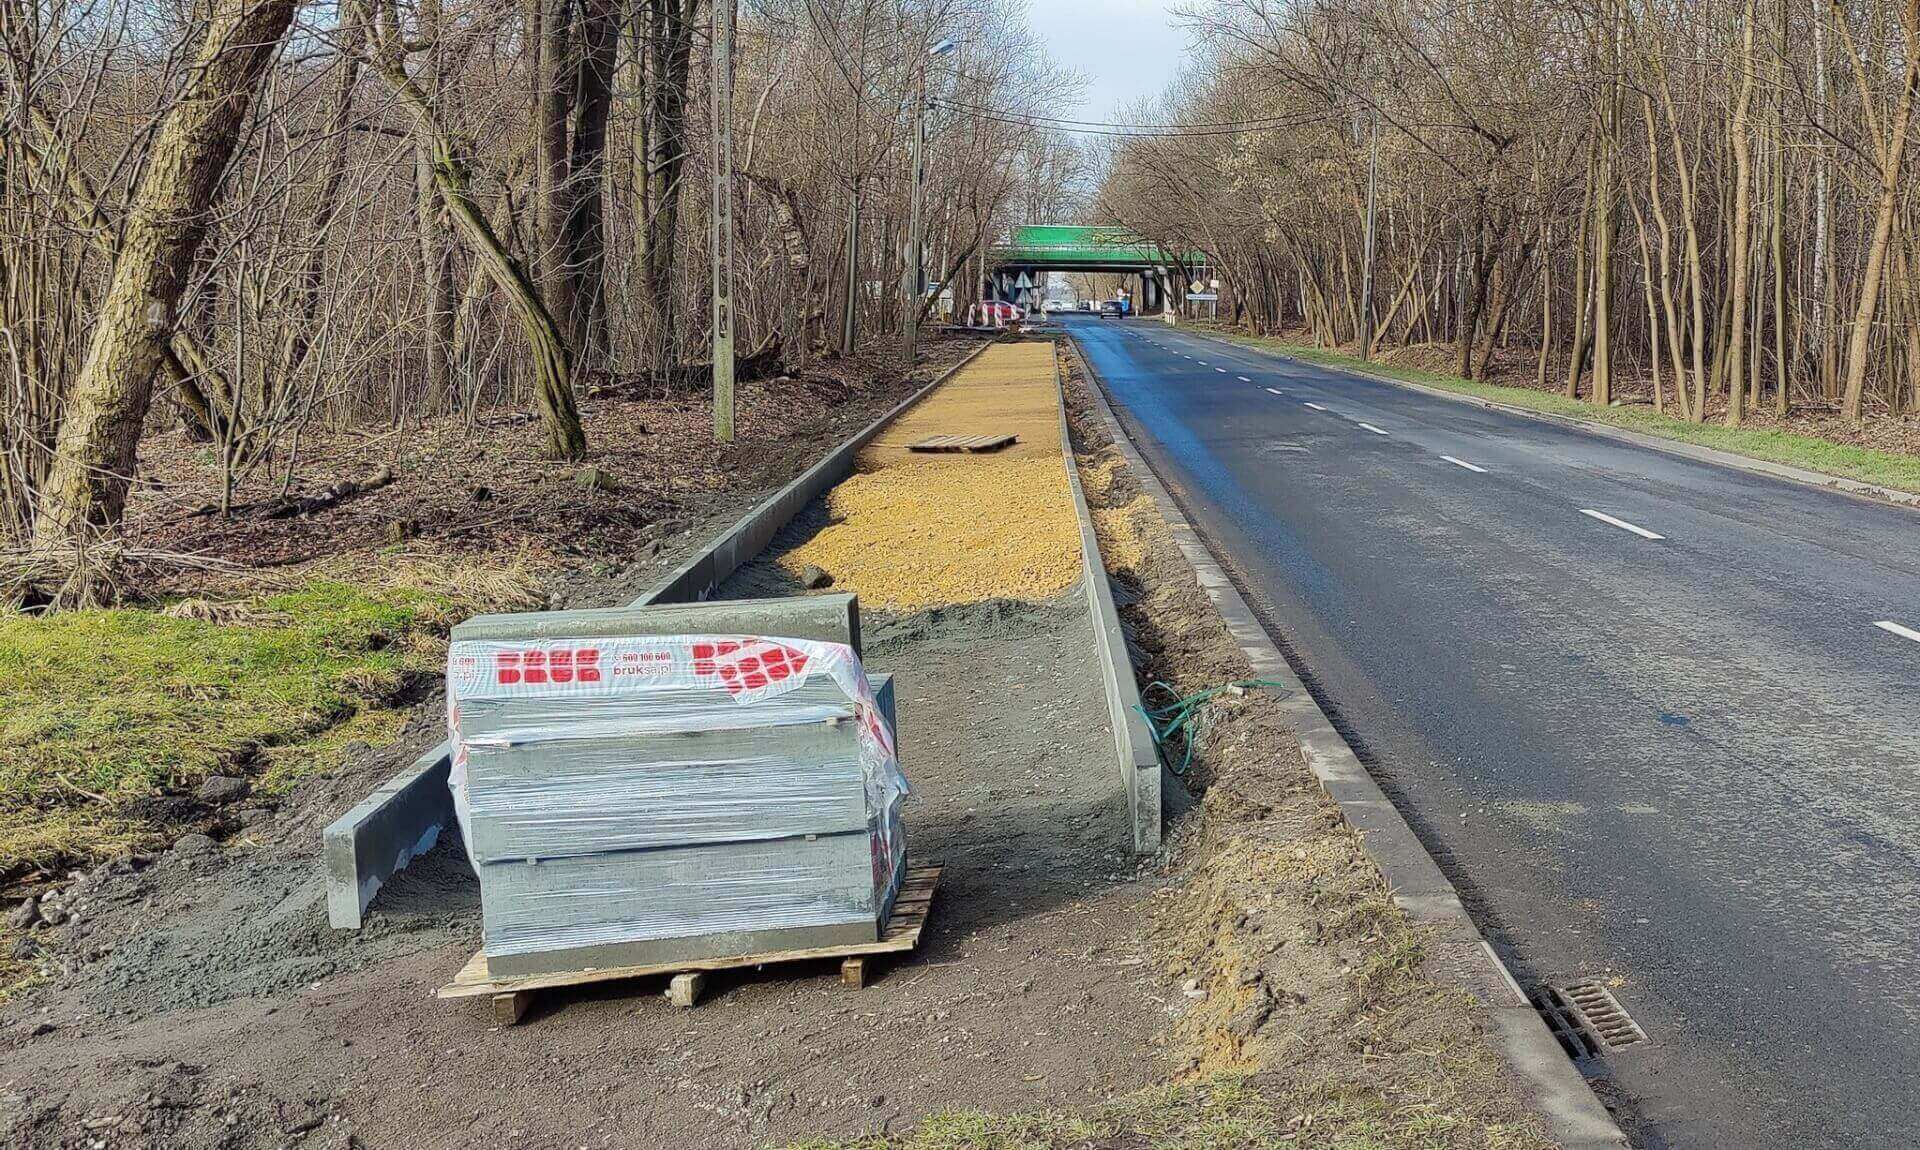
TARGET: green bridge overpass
(1017,269)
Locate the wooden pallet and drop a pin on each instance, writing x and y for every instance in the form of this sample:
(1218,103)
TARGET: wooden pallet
(970,443)
(511,994)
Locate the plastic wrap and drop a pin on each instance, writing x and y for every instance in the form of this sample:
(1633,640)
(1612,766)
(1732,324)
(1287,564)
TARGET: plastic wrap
(616,791)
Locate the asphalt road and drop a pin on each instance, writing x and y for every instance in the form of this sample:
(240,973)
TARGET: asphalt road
(1639,707)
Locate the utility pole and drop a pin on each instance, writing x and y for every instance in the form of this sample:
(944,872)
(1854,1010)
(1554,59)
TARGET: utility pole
(1366,264)
(911,285)
(723,220)
(913,282)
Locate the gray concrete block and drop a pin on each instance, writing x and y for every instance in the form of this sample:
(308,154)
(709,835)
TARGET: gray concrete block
(679,903)
(663,790)
(387,830)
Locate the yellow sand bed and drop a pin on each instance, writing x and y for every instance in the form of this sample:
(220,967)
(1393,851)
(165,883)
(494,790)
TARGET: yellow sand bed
(910,531)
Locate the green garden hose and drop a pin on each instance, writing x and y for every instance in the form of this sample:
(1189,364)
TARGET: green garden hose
(1186,716)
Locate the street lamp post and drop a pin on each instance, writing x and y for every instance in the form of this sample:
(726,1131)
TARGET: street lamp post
(913,283)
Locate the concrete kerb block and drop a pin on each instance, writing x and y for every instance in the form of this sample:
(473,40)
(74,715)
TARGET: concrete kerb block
(1574,1114)
(1137,758)
(406,815)
(396,824)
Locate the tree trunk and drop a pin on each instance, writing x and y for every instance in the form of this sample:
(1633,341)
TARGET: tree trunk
(552,358)
(553,114)
(1890,156)
(86,487)
(1737,255)
(1583,281)
(1480,264)
(430,219)
(586,240)
(669,40)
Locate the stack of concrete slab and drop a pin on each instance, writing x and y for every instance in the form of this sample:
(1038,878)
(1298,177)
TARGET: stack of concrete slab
(663,784)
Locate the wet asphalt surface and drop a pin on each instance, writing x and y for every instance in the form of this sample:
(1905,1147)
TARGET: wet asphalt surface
(1686,766)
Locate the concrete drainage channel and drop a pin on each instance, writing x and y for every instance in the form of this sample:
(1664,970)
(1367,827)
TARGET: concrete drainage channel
(405,817)
(1460,955)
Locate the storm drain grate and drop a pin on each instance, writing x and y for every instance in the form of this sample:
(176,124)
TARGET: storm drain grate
(1586,1019)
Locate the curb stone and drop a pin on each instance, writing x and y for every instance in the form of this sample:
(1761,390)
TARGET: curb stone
(1136,756)
(404,817)
(1698,453)
(1573,1113)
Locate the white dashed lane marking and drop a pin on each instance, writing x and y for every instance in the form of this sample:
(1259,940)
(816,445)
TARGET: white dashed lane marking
(1275,391)
(1620,523)
(1372,428)
(1244,379)
(1463,463)
(1896,629)
(1316,407)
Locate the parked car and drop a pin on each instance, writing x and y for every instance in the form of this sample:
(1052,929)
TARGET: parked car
(1112,309)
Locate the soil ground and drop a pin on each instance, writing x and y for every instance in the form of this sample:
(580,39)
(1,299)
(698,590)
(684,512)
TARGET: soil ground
(1257,973)
(483,487)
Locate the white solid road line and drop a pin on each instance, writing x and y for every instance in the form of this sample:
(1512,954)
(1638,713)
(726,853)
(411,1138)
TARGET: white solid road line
(1897,629)
(1620,523)
(1463,463)
(1372,428)
(1275,391)
(1315,406)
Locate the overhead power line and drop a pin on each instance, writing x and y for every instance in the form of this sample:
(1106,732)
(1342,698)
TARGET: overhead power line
(1251,124)
(1137,132)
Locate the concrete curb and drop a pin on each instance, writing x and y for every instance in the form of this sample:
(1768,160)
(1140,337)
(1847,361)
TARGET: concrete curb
(1574,1115)
(404,818)
(1693,451)
(1135,754)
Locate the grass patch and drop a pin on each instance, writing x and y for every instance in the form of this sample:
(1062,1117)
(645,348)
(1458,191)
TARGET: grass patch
(103,712)
(1863,464)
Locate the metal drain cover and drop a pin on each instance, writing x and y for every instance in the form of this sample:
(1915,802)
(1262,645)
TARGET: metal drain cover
(1586,1019)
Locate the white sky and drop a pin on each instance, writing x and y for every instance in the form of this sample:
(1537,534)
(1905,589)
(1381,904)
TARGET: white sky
(1125,49)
